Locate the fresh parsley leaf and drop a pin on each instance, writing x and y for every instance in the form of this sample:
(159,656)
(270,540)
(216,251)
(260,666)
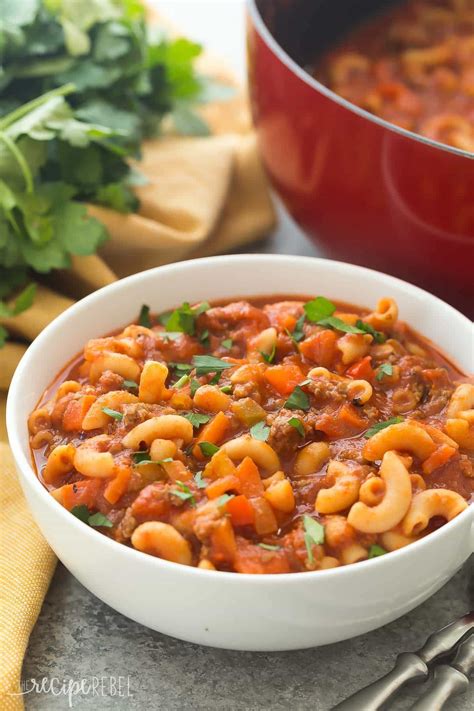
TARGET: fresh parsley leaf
(208,448)
(112,413)
(204,337)
(200,483)
(227,343)
(376,550)
(184,379)
(269,357)
(184,368)
(298,400)
(184,493)
(297,424)
(384,369)
(318,308)
(268,547)
(260,431)
(183,319)
(144,317)
(98,519)
(222,500)
(381,426)
(313,534)
(196,418)
(378,336)
(339,325)
(215,379)
(195,384)
(130,384)
(141,457)
(205,364)
(226,389)
(81,512)
(297,334)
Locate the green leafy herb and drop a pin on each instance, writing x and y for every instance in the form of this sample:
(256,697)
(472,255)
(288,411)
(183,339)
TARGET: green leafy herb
(215,379)
(297,334)
(112,413)
(378,336)
(313,534)
(339,325)
(183,319)
(382,425)
(226,389)
(268,547)
(184,379)
(184,493)
(183,368)
(269,357)
(144,317)
(383,370)
(200,483)
(82,85)
(376,550)
(260,431)
(208,448)
(205,364)
(297,424)
(195,384)
(227,343)
(170,335)
(298,400)
(144,458)
(222,500)
(196,418)
(130,384)
(97,519)
(204,337)
(318,309)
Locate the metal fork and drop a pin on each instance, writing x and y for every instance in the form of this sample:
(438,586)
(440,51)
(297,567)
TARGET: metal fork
(410,666)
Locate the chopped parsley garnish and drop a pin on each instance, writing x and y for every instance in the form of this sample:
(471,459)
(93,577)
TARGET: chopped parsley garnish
(206,364)
(376,550)
(381,426)
(215,379)
(260,431)
(318,309)
(383,370)
(268,547)
(98,519)
(130,384)
(222,500)
(204,338)
(297,334)
(181,367)
(170,335)
(196,419)
(144,458)
(227,343)
(269,357)
(112,413)
(184,379)
(339,325)
(298,400)
(184,493)
(378,336)
(200,483)
(226,389)
(297,424)
(183,318)
(208,448)
(195,384)
(313,535)
(144,317)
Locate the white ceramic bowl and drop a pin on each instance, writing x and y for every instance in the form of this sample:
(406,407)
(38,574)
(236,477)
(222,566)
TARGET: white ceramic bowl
(247,612)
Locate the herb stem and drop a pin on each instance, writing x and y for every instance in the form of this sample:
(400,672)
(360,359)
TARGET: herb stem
(20,159)
(24,109)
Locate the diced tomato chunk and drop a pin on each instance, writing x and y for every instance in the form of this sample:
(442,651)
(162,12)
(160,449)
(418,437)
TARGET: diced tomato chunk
(361,370)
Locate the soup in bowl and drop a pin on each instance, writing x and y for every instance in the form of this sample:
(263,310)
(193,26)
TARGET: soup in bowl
(225,466)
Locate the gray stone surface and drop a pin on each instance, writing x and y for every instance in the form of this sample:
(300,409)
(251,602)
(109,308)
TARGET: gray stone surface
(78,637)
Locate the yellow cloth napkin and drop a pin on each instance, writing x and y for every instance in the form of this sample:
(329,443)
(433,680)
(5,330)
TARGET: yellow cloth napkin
(205,195)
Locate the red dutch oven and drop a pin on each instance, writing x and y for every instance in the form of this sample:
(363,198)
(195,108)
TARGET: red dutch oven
(365,190)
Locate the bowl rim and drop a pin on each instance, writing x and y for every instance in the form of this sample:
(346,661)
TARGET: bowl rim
(30,479)
(302,74)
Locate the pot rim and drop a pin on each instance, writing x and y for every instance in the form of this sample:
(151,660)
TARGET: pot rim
(302,74)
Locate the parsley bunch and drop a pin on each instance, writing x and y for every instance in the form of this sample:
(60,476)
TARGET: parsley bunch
(81,85)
